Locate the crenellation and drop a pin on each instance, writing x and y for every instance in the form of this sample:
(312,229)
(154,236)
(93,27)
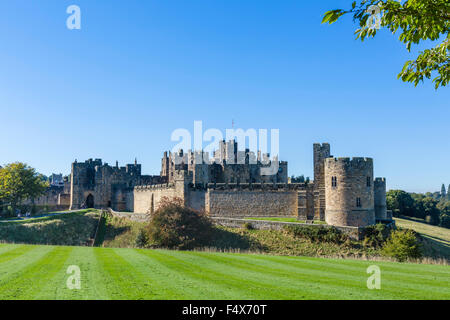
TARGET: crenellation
(344,191)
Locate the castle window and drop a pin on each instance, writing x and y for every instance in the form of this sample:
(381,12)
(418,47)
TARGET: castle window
(358,202)
(334,181)
(369,181)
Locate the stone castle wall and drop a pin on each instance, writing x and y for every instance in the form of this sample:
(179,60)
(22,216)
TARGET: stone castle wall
(256,203)
(148,198)
(238,190)
(350,198)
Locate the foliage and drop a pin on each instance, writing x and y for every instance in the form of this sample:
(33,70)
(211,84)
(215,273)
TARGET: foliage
(375,236)
(175,226)
(141,239)
(431,207)
(418,21)
(400,202)
(300,179)
(317,234)
(18,182)
(403,245)
(248,226)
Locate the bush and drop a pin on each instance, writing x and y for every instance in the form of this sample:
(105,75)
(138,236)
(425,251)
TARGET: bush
(177,227)
(445,220)
(248,226)
(375,236)
(317,234)
(141,239)
(402,245)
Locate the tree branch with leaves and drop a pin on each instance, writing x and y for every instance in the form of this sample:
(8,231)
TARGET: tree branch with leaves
(417,21)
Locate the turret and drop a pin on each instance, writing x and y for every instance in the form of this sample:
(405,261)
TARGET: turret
(349,192)
(380,198)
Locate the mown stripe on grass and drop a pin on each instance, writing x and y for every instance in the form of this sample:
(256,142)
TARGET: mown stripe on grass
(426,282)
(92,286)
(15,264)
(240,280)
(180,285)
(398,285)
(7,247)
(14,252)
(124,281)
(26,284)
(292,282)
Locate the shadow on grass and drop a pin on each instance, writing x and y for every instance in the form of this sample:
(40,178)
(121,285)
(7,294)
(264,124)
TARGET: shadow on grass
(226,240)
(74,229)
(434,247)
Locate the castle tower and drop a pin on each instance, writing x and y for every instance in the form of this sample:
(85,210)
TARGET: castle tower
(349,192)
(321,152)
(165,165)
(380,198)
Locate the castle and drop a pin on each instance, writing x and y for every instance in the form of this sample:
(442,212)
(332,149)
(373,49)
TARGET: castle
(234,183)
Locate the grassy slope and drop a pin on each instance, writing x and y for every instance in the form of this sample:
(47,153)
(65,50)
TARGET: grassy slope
(438,239)
(122,233)
(283,219)
(39,272)
(68,229)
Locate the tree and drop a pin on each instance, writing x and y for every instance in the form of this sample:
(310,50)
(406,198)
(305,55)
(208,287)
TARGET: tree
(18,182)
(177,227)
(402,245)
(443,193)
(298,179)
(444,216)
(431,210)
(418,20)
(400,202)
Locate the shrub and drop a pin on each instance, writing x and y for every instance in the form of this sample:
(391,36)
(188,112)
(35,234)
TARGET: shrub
(317,234)
(248,226)
(141,239)
(177,227)
(375,236)
(402,245)
(445,220)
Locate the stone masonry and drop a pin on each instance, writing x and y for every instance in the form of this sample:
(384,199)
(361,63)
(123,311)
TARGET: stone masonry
(343,193)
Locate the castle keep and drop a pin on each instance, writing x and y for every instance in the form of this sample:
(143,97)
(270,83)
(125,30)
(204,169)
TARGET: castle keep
(234,184)
(96,184)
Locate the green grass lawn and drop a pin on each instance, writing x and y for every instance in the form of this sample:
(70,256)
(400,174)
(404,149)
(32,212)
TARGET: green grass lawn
(39,272)
(283,219)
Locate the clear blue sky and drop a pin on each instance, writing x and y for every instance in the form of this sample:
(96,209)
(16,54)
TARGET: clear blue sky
(139,69)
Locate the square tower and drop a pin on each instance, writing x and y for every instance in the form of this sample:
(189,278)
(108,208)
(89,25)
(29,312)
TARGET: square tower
(321,152)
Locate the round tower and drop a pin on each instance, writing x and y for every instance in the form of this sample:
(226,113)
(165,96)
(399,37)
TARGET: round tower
(349,192)
(380,198)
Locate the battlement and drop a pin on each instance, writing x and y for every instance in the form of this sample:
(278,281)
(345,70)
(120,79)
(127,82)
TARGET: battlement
(380,180)
(324,145)
(164,186)
(356,162)
(250,186)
